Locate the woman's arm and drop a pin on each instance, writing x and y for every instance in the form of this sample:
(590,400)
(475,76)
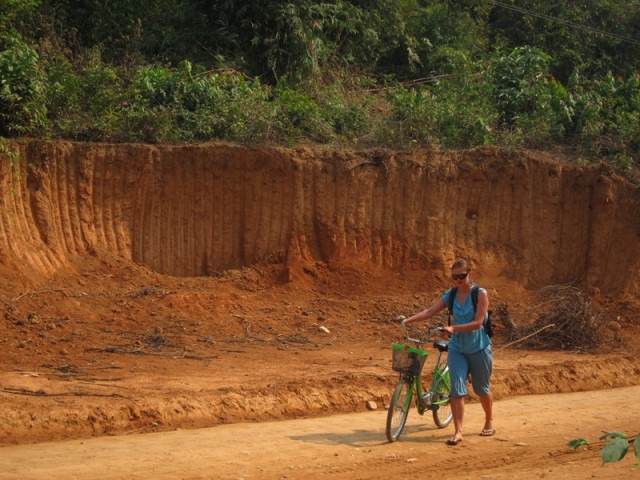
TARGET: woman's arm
(426,313)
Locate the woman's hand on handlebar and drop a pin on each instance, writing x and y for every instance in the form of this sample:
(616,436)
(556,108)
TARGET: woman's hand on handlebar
(436,330)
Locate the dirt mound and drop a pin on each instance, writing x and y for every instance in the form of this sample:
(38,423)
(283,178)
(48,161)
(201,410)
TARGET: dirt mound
(150,288)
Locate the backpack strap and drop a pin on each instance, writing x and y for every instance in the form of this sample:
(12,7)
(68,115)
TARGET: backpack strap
(451,299)
(474,296)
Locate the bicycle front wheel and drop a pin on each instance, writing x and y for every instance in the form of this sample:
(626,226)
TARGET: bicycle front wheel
(442,414)
(399,409)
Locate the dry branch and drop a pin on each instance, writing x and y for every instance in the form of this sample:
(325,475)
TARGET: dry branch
(42,393)
(569,310)
(139,351)
(38,292)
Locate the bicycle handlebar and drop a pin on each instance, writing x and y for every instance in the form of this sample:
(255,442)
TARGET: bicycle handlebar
(425,338)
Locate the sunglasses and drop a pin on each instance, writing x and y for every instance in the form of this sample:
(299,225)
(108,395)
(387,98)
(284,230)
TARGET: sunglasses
(459,276)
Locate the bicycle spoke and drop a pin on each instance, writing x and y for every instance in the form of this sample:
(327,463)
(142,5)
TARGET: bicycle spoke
(399,409)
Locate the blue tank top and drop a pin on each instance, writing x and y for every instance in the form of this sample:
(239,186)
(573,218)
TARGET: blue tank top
(466,342)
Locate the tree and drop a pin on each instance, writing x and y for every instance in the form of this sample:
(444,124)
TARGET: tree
(592,37)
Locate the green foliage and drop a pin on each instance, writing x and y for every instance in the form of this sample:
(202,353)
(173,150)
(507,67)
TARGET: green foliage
(412,117)
(434,36)
(465,115)
(21,86)
(587,36)
(453,112)
(194,106)
(7,150)
(299,115)
(296,38)
(358,72)
(520,85)
(577,443)
(347,115)
(95,101)
(615,450)
(575,108)
(16,16)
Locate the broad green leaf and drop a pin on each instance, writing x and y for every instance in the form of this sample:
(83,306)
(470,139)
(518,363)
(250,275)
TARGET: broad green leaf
(614,451)
(636,446)
(614,435)
(577,442)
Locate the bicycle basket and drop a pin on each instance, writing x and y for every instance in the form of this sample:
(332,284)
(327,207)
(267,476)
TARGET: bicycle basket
(407,359)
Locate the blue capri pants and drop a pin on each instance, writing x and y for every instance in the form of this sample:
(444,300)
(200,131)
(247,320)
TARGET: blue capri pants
(479,364)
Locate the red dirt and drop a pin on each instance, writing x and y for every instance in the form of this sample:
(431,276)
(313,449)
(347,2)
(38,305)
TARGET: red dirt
(154,288)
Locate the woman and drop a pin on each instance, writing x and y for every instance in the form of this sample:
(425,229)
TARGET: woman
(469,347)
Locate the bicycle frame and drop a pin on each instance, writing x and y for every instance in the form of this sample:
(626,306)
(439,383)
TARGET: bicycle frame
(438,376)
(436,398)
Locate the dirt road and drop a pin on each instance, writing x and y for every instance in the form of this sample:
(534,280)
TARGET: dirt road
(530,443)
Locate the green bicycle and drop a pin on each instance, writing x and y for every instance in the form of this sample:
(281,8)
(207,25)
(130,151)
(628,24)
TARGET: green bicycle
(408,361)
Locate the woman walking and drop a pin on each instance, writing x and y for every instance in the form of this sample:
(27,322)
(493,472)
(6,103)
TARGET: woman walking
(469,348)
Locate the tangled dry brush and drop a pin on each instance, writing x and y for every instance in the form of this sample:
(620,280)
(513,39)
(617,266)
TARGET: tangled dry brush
(565,319)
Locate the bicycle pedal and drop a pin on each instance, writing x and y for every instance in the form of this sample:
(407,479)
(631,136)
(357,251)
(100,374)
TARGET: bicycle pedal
(425,401)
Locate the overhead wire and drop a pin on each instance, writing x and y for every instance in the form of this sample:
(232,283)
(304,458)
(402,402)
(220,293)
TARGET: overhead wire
(532,13)
(566,22)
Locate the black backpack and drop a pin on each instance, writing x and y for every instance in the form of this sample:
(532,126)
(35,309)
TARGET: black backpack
(487,325)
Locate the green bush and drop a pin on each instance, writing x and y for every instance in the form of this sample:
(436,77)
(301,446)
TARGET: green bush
(464,114)
(453,112)
(520,83)
(412,117)
(22,87)
(195,105)
(222,106)
(298,116)
(507,98)
(345,110)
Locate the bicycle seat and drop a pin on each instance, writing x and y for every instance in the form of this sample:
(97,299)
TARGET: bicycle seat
(441,345)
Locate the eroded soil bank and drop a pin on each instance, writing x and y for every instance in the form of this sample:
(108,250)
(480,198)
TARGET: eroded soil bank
(152,288)
(195,211)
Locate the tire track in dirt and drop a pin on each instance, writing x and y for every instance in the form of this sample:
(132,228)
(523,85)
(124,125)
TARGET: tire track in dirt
(230,393)
(530,444)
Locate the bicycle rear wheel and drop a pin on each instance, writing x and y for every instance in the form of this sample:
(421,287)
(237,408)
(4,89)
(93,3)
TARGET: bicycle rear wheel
(398,409)
(442,414)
